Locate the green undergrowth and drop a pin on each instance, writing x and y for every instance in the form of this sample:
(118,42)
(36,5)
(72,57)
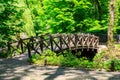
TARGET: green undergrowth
(4,54)
(117,45)
(61,59)
(70,60)
(101,61)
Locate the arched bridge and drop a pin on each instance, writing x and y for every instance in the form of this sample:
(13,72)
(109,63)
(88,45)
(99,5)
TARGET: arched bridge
(54,42)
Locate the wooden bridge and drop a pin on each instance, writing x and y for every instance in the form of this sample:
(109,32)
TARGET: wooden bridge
(54,42)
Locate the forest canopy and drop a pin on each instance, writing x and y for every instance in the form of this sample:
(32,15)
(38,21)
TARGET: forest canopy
(34,17)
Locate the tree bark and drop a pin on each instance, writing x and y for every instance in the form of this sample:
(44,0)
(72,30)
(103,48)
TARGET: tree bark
(111,25)
(99,10)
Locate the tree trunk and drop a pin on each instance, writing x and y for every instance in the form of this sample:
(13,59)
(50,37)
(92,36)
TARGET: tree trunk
(111,26)
(99,10)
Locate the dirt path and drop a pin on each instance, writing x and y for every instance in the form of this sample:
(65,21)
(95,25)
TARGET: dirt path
(18,69)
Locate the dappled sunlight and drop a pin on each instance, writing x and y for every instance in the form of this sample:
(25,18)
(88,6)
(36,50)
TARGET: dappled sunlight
(15,69)
(59,40)
(116,52)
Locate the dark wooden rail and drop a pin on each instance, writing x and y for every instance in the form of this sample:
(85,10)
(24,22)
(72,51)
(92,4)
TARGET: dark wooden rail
(103,38)
(54,42)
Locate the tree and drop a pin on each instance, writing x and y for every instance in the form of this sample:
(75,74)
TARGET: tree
(10,20)
(111,26)
(69,16)
(36,18)
(117,17)
(99,10)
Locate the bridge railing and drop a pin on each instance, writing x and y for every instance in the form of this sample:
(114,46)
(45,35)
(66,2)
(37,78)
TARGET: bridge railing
(54,42)
(103,38)
(20,46)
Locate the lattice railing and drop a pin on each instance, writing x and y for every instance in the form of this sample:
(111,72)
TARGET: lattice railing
(55,42)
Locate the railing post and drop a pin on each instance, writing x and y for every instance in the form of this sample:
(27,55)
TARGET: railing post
(51,42)
(76,40)
(29,51)
(93,43)
(88,42)
(21,44)
(61,43)
(82,42)
(8,46)
(97,42)
(32,40)
(69,42)
(41,43)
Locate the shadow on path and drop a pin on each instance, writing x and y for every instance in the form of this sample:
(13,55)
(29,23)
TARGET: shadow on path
(69,74)
(59,71)
(115,77)
(13,68)
(19,69)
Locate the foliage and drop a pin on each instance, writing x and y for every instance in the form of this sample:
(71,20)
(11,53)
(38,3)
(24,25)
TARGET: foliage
(117,45)
(69,16)
(107,61)
(70,60)
(98,63)
(62,59)
(10,21)
(3,54)
(112,65)
(116,64)
(36,17)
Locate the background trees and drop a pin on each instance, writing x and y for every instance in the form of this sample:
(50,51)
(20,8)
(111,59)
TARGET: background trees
(35,17)
(10,20)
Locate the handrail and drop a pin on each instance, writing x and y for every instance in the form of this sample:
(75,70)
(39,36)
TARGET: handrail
(55,42)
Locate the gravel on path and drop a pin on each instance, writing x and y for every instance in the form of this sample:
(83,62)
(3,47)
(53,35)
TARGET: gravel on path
(18,68)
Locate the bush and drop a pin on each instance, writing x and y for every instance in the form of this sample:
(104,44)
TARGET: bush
(4,53)
(68,59)
(98,60)
(64,59)
(115,65)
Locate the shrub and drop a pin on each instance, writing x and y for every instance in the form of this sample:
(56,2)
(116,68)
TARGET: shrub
(115,64)
(70,60)
(98,60)
(4,53)
(62,59)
